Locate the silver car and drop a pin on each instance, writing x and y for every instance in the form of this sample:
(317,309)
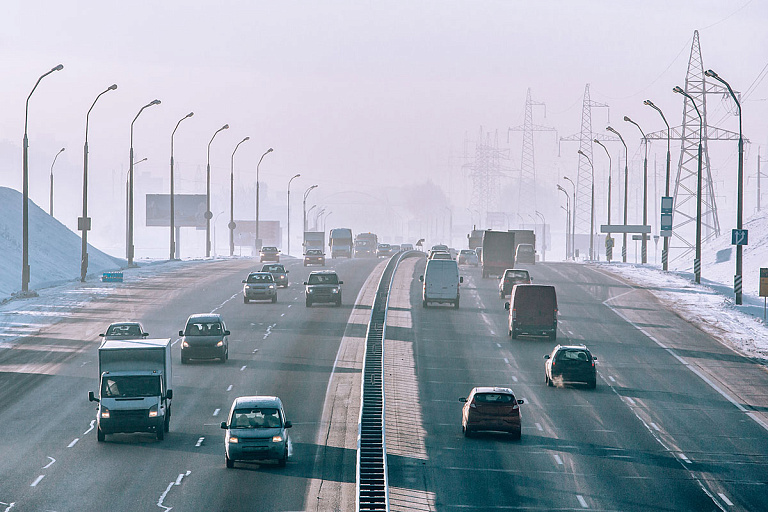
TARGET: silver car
(124,331)
(259,286)
(256,430)
(278,271)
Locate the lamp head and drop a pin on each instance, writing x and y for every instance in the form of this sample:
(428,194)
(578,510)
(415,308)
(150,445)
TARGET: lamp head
(626,118)
(710,74)
(112,87)
(581,153)
(58,68)
(596,141)
(245,139)
(225,127)
(155,102)
(649,103)
(62,149)
(677,89)
(610,129)
(270,150)
(189,115)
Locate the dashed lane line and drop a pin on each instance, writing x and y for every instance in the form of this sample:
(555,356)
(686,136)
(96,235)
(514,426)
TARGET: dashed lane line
(725,499)
(53,461)
(93,425)
(558,459)
(37,481)
(216,412)
(73,443)
(199,442)
(582,501)
(229,388)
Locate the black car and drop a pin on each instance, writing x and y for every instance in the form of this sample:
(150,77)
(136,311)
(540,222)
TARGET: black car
(323,286)
(269,253)
(570,364)
(278,272)
(204,337)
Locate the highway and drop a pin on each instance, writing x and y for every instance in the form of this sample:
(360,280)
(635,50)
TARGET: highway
(674,424)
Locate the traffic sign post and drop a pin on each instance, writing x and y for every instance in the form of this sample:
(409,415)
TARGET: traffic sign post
(609,248)
(739,236)
(764,287)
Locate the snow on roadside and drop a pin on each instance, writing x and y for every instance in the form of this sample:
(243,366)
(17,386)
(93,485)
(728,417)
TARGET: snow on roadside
(708,306)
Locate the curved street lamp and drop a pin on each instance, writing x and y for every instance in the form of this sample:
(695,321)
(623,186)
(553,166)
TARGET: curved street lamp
(697,261)
(573,219)
(608,254)
(592,210)
(567,221)
(543,236)
(50,202)
(84,223)
(232,199)
(258,240)
(626,185)
(306,193)
(173,204)
(25,271)
(644,243)
(665,250)
(129,247)
(208,213)
(289,212)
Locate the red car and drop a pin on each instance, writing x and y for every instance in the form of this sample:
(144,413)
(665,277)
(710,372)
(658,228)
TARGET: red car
(491,409)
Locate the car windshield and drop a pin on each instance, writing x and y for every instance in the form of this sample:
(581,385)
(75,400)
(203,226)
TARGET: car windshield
(573,355)
(517,274)
(323,279)
(260,278)
(314,252)
(204,329)
(255,417)
(493,398)
(124,330)
(130,386)
(273,268)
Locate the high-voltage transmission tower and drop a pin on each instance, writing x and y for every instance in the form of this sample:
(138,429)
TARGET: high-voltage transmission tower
(526,202)
(583,200)
(684,213)
(486,171)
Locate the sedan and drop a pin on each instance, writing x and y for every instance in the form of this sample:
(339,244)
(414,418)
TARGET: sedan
(256,430)
(491,409)
(278,272)
(124,331)
(570,364)
(269,253)
(259,286)
(468,257)
(204,337)
(511,277)
(314,257)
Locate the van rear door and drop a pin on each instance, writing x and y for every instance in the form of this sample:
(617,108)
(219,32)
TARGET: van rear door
(535,305)
(441,279)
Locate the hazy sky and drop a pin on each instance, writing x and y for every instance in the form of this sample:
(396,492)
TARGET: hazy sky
(353,95)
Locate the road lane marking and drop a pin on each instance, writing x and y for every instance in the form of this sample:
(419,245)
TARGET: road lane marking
(629,399)
(538,426)
(725,499)
(255,350)
(558,459)
(685,459)
(167,489)
(506,360)
(93,423)
(655,427)
(50,463)
(514,378)
(216,412)
(223,303)
(610,377)
(498,345)
(282,314)
(37,480)
(229,388)
(243,368)
(9,507)
(73,443)
(582,501)
(199,442)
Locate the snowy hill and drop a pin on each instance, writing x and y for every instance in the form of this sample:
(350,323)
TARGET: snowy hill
(54,250)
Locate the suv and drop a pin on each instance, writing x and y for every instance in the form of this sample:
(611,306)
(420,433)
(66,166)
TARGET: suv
(511,277)
(491,408)
(124,331)
(269,253)
(256,430)
(569,364)
(278,272)
(259,286)
(323,286)
(204,337)
(314,257)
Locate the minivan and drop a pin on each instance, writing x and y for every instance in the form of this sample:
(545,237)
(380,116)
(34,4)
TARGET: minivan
(441,282)
(532,310)
(525,254)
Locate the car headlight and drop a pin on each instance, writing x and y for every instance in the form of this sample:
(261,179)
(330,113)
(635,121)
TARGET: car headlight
(153,411)
(233,439)
(104,412)
(184,344)
(277,439)
(271,287)
(335,290)
(310,290)
(220,343)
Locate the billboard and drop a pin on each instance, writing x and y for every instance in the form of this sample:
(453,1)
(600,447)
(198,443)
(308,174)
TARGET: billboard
(189,210)
(269,231)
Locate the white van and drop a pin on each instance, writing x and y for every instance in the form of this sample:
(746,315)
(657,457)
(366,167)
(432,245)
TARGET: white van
(441,282)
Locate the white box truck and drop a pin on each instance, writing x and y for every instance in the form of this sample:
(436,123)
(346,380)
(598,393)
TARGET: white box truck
(135,392)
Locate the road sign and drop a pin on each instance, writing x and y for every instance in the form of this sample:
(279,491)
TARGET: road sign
(637,237)
(764,282)
(666,222)
(667,204)
(739,237)
(621,228)
(189,210)
(608,242)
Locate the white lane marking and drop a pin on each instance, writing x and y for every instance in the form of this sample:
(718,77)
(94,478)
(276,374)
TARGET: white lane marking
(199,442)
(725,499)
(73,443)
(539,427)
(685,459)
(216,412)
(506,360)
(629,399)
(655,427)
(167,489)
(498,345)
(570,332)
(37,480)
(610,377)
(229,388)
(514,378)
(50,463)
(582,501)
(255,350)
(558,459)
(282,314)
(9,507)
(93,424)
(243,368)
(289,305)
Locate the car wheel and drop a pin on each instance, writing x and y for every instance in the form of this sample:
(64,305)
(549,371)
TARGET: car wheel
(160,434)
(456,304)
(592,384)
(513,333)
(184,360)
(245,301)
(309,303)
(100,435)
(274,299)
(501,294)
(424,304)
(467,431)
(230,463)
(517,434)
(281,462)
(167,422)
(549,381)
(338,303)
(553,336)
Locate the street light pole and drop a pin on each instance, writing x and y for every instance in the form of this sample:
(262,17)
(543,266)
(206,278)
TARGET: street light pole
(592,210)
(306,193)
(740,194)
(573,219)
(544,236)
(665,250)
(208,213)
(258,240)
(50,202)
(84,222)
(325,219)
(567,221)
(173,204)
(289,212)
(697,261)
(25,271)
(130,248)
(644,243)
(232,200)
(608,254)
(626,186)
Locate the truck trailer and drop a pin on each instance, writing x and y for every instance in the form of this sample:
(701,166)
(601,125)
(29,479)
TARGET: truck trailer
(498,252)
(314,240)
(340,242)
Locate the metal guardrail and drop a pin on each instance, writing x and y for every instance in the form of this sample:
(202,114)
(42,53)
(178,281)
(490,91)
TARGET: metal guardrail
(372,481)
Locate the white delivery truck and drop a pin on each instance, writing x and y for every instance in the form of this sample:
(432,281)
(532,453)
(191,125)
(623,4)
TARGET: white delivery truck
(134,387)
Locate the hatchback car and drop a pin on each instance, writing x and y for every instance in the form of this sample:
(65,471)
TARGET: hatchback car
(204,337)
(383,250)
(259,286)
(406,247)
(570,364)
(256,430)
(491,409)
(511,277)
(323,286)
(314,257)
(269,253)
(124,331)
(278,272)
(468,257)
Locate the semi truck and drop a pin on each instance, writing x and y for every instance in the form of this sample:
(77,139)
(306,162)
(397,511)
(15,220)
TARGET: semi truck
(498,252)
(314,240)
(340,242)
(135,392)
(475,239)
(366,245)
